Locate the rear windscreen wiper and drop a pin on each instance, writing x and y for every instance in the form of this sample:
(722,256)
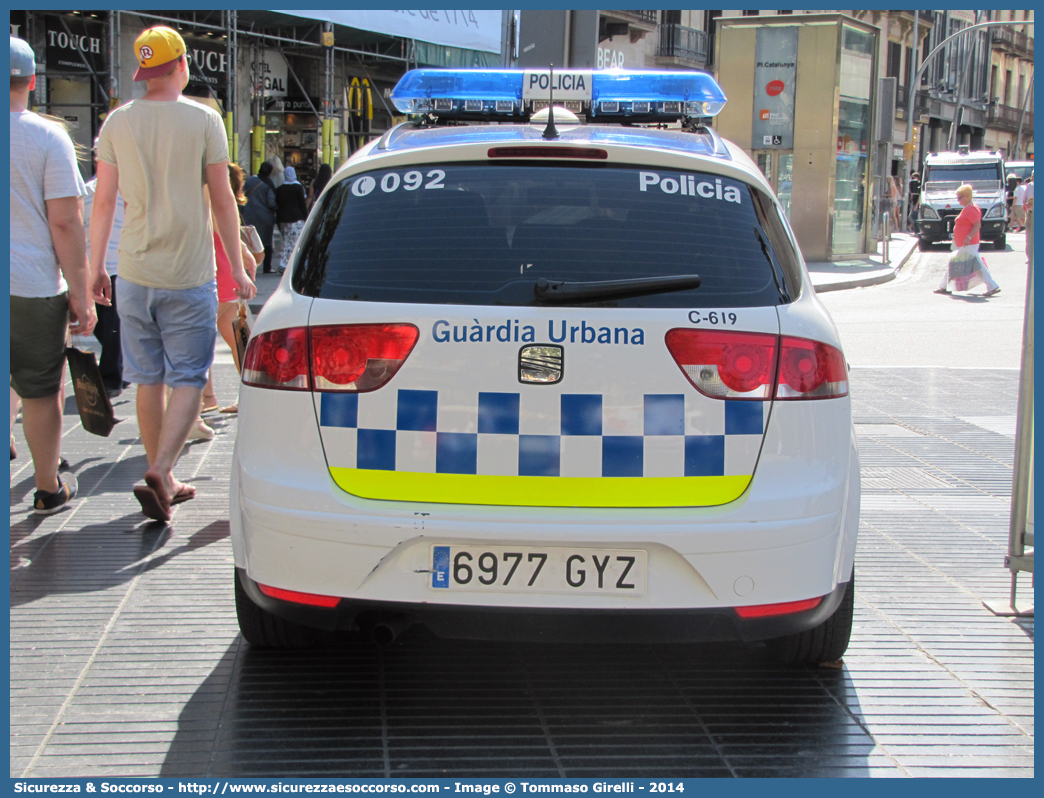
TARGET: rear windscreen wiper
(560,291)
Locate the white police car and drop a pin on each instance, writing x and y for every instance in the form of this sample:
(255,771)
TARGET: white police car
(536,380)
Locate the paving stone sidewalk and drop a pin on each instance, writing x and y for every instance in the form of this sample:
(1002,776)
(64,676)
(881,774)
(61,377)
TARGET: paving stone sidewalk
(125,656)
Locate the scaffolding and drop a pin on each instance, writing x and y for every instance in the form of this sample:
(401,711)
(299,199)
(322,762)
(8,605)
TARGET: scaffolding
(294,39)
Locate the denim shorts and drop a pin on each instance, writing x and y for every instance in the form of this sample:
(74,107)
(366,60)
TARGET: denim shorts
(168,335)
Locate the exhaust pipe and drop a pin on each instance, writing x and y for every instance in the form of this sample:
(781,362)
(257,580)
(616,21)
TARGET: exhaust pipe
(389,627)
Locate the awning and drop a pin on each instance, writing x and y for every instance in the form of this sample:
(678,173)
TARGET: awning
(471,30)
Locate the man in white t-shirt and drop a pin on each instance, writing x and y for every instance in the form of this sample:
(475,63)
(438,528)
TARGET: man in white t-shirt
(1018,208)
(48,276)
(160,151)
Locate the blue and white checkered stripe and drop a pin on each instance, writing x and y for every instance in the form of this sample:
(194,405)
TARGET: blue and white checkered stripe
(542,434)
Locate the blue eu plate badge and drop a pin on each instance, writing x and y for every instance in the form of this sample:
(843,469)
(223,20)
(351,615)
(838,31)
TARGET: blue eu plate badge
(440,564)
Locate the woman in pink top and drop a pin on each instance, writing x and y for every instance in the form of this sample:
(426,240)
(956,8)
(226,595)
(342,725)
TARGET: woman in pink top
(228,305)
(966,237)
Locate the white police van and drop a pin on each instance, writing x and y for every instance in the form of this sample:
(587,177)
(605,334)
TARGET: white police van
(548,380)
(943,173)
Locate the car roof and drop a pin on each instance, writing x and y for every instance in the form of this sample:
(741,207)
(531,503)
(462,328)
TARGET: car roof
(698,143)
(949,158)
(702,149)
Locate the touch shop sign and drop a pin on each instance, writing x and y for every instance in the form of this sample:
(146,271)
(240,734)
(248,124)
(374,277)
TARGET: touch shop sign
(75,44)
(775,71)
(208,62)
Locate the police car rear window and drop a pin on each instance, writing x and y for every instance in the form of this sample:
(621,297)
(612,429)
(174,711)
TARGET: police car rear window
(485,234)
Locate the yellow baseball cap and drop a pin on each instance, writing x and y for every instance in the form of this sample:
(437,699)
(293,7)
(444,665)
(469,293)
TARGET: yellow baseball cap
(155,49)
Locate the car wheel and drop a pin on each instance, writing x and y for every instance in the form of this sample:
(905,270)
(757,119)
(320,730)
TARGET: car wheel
(824,643)
(924,244)
(262,628)
(1001,243)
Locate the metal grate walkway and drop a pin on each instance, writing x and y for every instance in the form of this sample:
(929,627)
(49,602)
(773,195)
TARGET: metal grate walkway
(125,657)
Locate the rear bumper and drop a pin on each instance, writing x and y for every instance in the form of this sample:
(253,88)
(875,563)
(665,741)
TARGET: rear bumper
(527,624)
(941,230)
(790,537)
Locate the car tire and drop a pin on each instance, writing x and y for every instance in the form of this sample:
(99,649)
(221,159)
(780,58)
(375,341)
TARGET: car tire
(262,628)
(924,244)
(1001,243)
(824,643)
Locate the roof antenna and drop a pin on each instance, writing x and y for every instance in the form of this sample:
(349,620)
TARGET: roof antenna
(551,132)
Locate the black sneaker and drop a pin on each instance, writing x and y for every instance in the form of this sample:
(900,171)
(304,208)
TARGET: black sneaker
(45,503)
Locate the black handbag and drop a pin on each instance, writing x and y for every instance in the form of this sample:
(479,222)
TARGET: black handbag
(92,400)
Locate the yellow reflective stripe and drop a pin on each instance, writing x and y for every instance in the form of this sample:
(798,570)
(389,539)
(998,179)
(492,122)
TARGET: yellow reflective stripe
(411,486)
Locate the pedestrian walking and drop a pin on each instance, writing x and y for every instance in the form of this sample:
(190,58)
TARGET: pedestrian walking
(107,331)
(260,209)
(896,192)
(168,295)
(49,276)
(228,305)
(966,267)
(321,179)
(1018,207)
(1028,203)
(1011,182)
(915,199)
(291,213)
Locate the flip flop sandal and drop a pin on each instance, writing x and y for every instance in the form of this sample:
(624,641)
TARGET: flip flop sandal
(151,506)
(185,494)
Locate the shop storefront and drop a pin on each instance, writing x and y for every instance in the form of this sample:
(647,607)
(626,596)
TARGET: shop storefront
(304,89)
(807,122)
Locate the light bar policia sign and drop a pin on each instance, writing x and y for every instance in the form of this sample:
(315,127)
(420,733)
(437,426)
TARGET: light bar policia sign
(642,95)
(511,448)
(575,84)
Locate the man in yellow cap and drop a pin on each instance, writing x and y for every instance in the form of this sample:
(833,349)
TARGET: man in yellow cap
(162,151)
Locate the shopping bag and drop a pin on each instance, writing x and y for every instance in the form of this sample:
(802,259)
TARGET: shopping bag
(241,327)
(92,400)
(249,236)
(965,268)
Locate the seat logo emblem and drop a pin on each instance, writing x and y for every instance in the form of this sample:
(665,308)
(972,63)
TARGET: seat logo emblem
(543,363)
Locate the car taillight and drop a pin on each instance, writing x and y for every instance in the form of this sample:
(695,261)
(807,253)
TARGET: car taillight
(770,610)
(726,365)
(359,357)
(810,370)
(344,357)
(311,599)
(278,359)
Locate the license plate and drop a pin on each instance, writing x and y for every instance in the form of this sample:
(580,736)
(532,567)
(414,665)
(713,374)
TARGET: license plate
(521,569)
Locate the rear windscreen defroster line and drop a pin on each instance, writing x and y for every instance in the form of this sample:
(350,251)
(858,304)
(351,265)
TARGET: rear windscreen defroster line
(484,235)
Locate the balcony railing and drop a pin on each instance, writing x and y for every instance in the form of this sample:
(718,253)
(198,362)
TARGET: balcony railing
(926,16)
(643,16)
(1017,41)
(677,41)
(1007,118)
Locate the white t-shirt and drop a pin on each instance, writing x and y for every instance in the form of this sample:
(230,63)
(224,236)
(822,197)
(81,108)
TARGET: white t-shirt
(162,151)
(1020,193)
(112,253)
(1028,195)
(43,167)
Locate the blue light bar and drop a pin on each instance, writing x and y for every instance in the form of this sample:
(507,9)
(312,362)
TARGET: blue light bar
(613,94)
(417,90)
(698,92)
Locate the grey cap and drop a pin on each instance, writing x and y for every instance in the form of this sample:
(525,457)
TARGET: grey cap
(23,61)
